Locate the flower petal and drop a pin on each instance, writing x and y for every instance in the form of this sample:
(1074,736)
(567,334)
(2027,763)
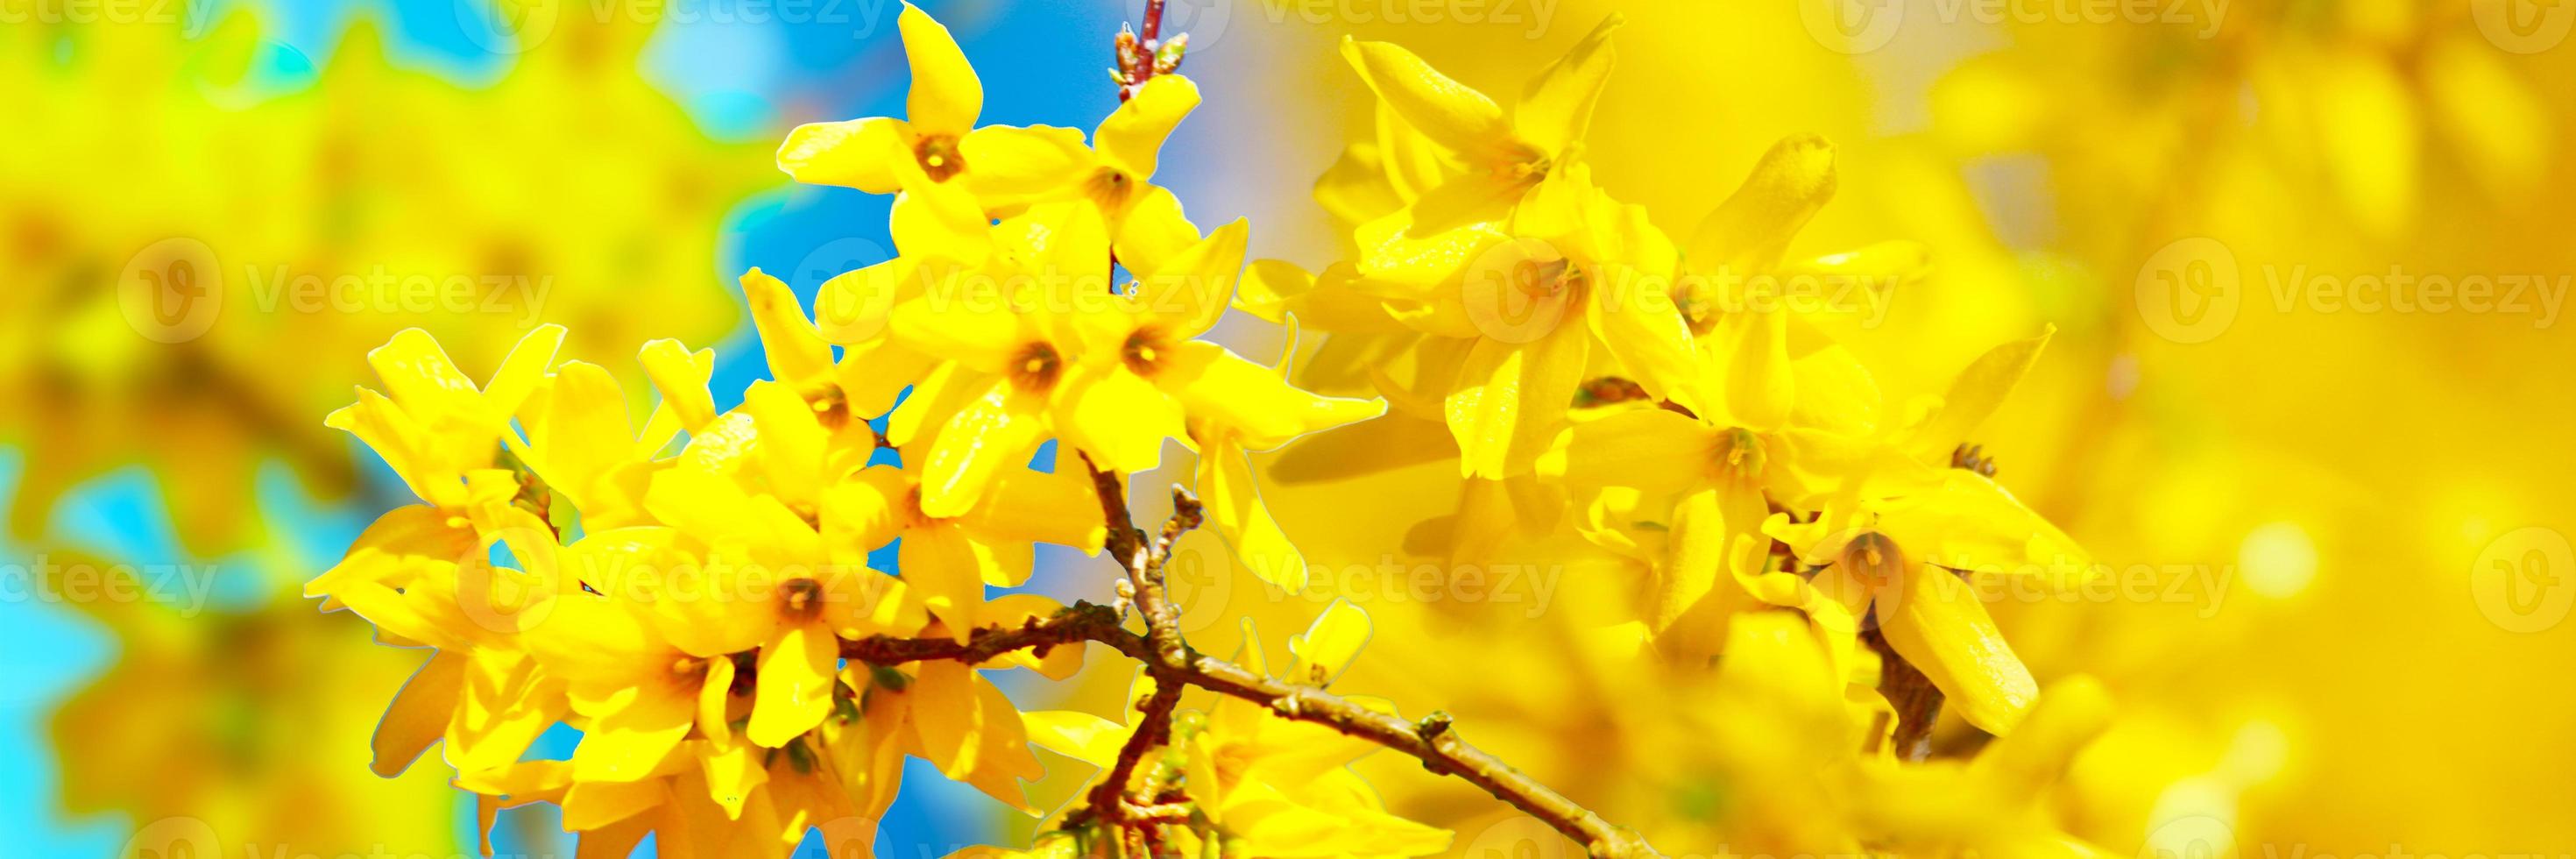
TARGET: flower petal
(856,153)
(1450,113)
(1131,139)
(1233,502)
(1511,399)
(1328,646)
(626,743)
(1557,107)
(1977,391)
(1007,166)
(946,97)
(1076,734)
(795,684)
(1117,417)
(1748,232)
(796,353)
(681,377)
(419,713)
(1655,451)
(1190,291)
(1250,399)
(1058,507)
(1940,626)
(995,431)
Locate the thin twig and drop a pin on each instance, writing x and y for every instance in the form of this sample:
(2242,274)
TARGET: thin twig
(1080,622)
(1109,799)
(1141,56)
(1434,740)
(1162,628)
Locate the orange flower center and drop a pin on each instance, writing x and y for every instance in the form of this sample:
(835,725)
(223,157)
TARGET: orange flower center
(938,156)
(1873,559)
(1144,351)
(1035,367)
(800,599)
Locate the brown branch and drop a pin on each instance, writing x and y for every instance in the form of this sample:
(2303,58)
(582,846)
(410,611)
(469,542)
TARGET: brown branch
(1434,740)
(1144,562)
(1144,566)
(1917,702)
(1109,799)
(1076,623)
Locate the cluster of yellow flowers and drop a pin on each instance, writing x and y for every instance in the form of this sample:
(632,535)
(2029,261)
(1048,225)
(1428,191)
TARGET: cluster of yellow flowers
(707,617)
(1682,401)
(1687,408)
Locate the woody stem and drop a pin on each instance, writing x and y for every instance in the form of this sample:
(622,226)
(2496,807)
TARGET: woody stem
(1433,740)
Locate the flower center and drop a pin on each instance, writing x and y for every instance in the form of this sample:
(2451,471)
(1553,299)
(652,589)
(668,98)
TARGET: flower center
(1109,187)
(1035,367)
(1873,559)
(1144,351)
(1739,455)
(688,671)
(831,406)
(1547,279)
(938,156)
(800,599)
(1697,299)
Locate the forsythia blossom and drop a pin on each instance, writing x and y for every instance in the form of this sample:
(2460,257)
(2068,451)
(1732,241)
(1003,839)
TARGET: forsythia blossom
(693,591)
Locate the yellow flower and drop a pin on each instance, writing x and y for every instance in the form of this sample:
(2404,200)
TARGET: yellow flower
(636,689)
(950,561)
(1914,562)
(1225,481)
(1145,221)
(436,426)
(1008,351)
(1709,553)
(1002,165)
(1492,157)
